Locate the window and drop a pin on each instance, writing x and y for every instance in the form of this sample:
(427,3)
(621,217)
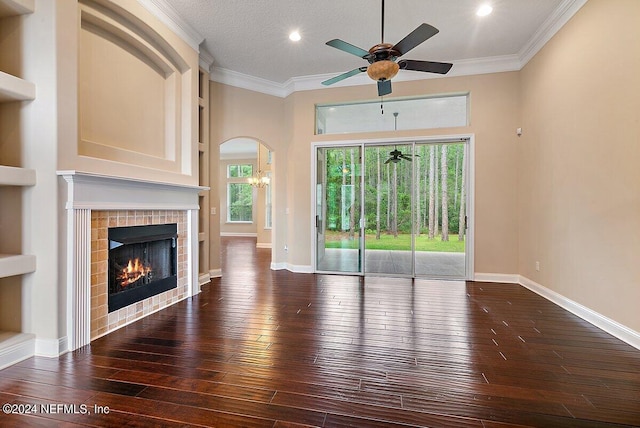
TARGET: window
(239,202)
(442,111)
(240,171)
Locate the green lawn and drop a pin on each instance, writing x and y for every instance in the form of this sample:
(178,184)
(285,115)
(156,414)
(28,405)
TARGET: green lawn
(402,242)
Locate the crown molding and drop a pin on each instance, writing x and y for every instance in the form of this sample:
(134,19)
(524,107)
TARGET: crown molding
(313,82)
(171,18)
(240,80)
(498,64)
(205,60)
(563,13)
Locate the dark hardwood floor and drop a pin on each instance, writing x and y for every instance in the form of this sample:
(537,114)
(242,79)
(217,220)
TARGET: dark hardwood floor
(275,349)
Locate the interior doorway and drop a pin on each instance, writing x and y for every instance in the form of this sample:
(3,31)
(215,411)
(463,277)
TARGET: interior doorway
(394,208)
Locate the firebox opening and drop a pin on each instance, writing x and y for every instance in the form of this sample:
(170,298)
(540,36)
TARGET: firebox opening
(142,263)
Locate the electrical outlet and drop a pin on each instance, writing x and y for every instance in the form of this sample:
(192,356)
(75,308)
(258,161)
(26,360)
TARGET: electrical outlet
(286,249)
(537,266)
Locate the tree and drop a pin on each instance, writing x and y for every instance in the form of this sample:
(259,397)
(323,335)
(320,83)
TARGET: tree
(352,205)
(444,169)
(394,201)
(436,185)
(417,192)
(455,175)
(462,226)
(432,191)
(378,193)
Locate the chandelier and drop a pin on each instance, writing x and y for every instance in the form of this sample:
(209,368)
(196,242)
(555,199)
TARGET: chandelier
(259,179)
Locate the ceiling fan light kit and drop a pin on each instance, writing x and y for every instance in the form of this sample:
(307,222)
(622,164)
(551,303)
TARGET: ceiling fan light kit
(383,70)
(382,58)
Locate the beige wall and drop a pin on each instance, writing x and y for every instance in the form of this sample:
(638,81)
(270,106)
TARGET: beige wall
(287,127)
(239,112)
(494,118)
(562,194)
(137,86)
(579,200)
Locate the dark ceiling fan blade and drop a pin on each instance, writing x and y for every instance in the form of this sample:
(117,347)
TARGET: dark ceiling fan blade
(406,157)
(428,66)
(348,47)
(344,76)
(388,160)
(384,87)
(413,39)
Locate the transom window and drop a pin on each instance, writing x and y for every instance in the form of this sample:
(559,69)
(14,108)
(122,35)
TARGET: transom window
(240,171)
(440,111)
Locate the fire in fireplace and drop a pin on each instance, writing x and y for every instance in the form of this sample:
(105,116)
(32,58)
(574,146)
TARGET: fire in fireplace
(142,263)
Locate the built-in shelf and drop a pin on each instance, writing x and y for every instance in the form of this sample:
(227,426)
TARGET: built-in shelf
(16,264)
(13,88)
(16,7)
(15,347)
(12,176)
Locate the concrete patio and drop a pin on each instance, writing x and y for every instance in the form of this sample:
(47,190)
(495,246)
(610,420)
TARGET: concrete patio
(395,262)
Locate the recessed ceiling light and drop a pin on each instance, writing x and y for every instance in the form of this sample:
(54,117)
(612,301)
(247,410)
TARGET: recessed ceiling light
(294,36)
(484,10)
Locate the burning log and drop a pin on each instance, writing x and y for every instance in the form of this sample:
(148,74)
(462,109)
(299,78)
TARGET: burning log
(134,270)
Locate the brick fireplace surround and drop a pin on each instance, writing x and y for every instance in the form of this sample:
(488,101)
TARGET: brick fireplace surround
(93,204)
(103,322)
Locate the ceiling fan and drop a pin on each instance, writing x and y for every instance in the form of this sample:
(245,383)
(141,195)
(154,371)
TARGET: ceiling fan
(382,58)
(396,156)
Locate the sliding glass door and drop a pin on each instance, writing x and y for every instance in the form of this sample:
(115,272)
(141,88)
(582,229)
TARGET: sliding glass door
(400,210)
(338,209)
(388,209)
(440,210)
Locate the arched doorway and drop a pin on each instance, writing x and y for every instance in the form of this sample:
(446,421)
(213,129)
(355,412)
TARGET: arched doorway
(246,209)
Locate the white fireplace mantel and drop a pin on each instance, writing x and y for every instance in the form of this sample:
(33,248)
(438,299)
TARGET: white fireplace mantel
(95,191)
(86,192)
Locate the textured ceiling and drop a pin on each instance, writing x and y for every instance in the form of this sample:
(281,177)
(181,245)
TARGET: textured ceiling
(251,36)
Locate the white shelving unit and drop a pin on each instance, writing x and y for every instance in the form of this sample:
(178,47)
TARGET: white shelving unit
(12,176)
(16,264)
(16,7)
(15,89)
(15,346)
(203,162)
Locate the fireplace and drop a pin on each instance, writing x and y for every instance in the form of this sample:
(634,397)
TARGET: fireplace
(142,263)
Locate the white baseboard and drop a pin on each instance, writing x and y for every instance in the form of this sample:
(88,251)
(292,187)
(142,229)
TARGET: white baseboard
(239,235)
(612,327)
(299,268)
(17,348)
(203,278)
(496,277)
(263,245)
(278,266)
(51,347)
(292,268)
(215,273)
